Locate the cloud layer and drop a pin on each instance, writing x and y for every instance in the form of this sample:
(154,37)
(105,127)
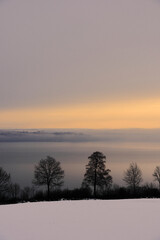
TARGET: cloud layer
(80,135)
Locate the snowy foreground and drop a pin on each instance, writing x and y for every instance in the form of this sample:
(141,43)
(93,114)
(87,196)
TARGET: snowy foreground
(81,220)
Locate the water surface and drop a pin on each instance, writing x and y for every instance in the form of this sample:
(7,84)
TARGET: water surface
(73,148)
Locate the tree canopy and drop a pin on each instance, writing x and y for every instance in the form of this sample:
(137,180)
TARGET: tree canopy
(156,175)
(48,172)
(4,180)
(133,176)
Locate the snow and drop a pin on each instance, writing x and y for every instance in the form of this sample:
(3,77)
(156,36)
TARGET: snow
(88,219)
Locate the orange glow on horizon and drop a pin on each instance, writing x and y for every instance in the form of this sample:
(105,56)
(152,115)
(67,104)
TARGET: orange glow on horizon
(131,114)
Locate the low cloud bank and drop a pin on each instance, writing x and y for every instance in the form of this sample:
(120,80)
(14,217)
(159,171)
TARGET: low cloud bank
(79,135)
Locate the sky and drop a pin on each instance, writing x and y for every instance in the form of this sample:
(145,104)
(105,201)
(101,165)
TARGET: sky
(79,64)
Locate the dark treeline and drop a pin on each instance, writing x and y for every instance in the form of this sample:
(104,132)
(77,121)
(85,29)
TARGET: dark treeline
(97,183)
(115,192)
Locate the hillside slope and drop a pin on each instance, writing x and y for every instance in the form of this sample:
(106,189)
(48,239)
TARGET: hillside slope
(91,220)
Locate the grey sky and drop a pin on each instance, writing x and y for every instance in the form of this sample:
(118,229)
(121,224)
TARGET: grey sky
(59,52)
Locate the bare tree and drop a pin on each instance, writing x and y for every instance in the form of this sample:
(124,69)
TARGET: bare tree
(133,176)
(96,172)
(14,190)
(27,193)
(4,180)
(156,175)
(48,172)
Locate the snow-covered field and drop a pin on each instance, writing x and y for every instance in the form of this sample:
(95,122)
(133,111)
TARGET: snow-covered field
(82,220)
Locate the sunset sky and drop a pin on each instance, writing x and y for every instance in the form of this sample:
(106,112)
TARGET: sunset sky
(79,64)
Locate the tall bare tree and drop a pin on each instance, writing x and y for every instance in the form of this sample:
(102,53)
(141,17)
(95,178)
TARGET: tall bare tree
(156,175)
(96,172)
(48,172)
(133,176)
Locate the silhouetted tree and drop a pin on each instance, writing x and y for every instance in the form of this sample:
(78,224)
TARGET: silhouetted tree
(14,190)
(48,172)
(156,175)
(96,172)
(4,180)
(133,176)
(27,193)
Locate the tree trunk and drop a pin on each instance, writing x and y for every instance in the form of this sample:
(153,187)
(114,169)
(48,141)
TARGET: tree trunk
(95,183)
(134,189)
(48,191)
